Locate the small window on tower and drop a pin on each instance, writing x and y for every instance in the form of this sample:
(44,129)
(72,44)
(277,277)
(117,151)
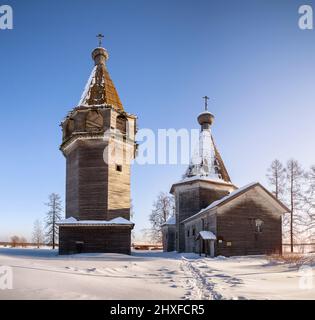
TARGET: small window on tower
(119,167)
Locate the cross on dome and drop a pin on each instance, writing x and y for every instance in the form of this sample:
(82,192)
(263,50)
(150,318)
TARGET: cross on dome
(206,102)
(100,37)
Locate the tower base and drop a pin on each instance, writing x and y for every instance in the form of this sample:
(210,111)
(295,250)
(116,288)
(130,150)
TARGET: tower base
(94,239)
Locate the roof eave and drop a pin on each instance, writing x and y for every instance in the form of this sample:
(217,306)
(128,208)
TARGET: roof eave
(96,225)
(223,183)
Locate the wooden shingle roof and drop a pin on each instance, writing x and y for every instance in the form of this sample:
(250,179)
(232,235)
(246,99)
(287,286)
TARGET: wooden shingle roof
(100,89)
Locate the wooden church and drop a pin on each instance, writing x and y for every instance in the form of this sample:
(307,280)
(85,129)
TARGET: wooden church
(98,143)
(213,216)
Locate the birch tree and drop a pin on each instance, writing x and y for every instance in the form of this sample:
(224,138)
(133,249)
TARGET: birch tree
(38,233)
(163,208)
(52,217)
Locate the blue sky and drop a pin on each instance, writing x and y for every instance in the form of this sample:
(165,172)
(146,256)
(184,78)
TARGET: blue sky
(250,57)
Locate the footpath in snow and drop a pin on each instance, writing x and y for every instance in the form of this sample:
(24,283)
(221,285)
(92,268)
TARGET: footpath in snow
(42,274)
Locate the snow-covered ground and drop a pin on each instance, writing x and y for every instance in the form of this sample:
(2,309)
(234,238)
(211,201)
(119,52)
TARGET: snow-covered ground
(42,274)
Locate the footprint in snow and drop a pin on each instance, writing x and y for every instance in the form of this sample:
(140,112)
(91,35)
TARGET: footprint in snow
(71,268)
(171,272)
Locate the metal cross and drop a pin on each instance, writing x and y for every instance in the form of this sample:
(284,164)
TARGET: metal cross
(100,36)
(206,102)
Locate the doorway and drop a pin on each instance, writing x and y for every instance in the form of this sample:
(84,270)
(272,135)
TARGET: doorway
(79,246)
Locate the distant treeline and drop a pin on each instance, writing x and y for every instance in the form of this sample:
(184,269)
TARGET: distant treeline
(23,244)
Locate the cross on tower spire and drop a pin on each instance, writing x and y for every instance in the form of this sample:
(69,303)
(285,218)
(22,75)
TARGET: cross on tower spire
(100,36)
(206,102)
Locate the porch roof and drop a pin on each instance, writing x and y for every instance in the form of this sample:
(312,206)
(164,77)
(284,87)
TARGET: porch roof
(206,235)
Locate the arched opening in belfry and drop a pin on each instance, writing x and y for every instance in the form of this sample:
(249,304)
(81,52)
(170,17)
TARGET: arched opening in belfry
(121,124)
(69,128)
(94,121)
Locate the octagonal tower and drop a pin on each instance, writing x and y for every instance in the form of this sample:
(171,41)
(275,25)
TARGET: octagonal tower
(98,144)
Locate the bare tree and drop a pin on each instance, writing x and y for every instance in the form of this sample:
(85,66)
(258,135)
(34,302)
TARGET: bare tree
(163,208)
(310,202)
(15,240)
(38,233)
(294,180)
(52,217)
(132,212)
(311,191)
(133,235)
(23,242)
(150,235)
(276,178)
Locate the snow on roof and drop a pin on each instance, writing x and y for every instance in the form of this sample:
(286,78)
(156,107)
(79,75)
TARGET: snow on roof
(170,220)
(207,235)
(69,220)
(204,112)
(87,87)
(120,220)
(202,162)
(74,221)
(213,178)
(229,196)
(202,178)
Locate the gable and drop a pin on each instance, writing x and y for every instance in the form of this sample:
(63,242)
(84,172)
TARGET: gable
(254,191)
(255,194)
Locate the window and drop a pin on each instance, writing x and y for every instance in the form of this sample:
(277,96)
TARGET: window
(258,225)
(193,231)
(121,124)
(220,239)
(119,167)
(188,233)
